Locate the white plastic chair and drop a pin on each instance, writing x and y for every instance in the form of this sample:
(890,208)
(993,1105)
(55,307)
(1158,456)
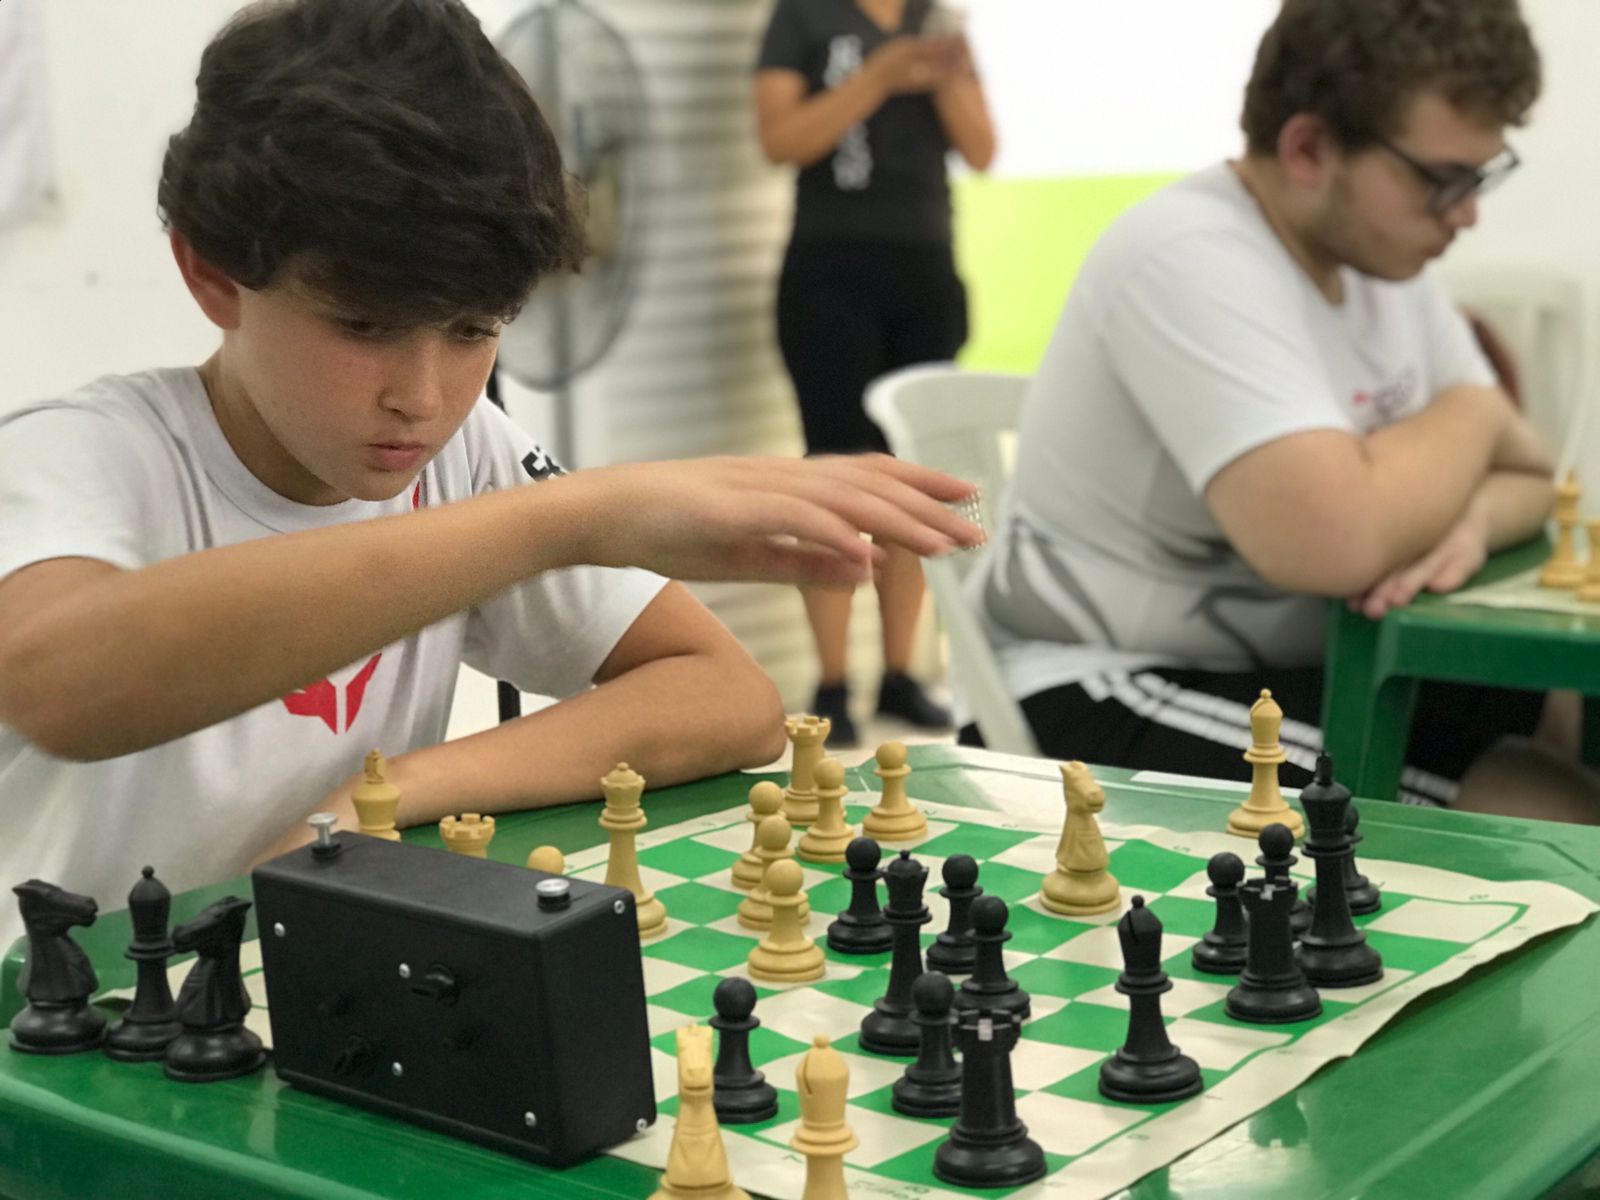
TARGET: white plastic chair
(962,422)
(1540,315)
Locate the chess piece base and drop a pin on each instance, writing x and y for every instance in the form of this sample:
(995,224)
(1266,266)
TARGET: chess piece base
(1133,1082)
(940,1097)
(214,1055)
(1070,900)
(848,937)
(951,957)
(57,1029)
(903,827)
(729,1192)
(652,916)
(745,1106)
(989,1166)
(890,1034)
(787,966)
(1014,1001)
(141,1041)
(1246,822)
(1268,1005)
(799,809)
(1218,958)
(1562,575)
(746,874)
(1353,965)
(827,849)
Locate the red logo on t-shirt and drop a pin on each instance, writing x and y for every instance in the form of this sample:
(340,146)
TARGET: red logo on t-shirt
(321,699)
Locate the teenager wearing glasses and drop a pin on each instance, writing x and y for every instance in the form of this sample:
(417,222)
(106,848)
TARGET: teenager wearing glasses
(1259,397)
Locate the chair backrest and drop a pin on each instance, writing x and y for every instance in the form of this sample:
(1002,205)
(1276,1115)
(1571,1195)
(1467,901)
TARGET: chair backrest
(1540,315)
(962,422)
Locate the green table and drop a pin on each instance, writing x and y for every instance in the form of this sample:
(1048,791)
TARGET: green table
(1484,1088)
(1374,667)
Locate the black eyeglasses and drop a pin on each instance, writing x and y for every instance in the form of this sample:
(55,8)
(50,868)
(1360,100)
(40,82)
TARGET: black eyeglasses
(1450,185)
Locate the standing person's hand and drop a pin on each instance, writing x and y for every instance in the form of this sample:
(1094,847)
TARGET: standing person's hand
(911,64)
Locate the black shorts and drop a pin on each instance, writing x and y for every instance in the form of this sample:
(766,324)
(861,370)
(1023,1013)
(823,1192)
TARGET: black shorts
(1198,723)
(849,312)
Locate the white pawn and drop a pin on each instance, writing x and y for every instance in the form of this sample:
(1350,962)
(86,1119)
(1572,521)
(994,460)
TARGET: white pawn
(766,798)
(548,859)
(826,840)
(786,954)
(894,820)
(772,844)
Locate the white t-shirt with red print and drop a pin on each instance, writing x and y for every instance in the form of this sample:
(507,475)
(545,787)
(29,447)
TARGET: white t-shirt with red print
(132,470)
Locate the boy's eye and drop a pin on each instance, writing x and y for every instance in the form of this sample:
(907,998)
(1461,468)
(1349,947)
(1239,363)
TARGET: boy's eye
(476,333)
(357,327)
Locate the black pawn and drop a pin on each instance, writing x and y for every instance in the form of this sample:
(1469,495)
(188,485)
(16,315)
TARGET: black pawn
(1276,857)
(740,1093)
(1363,894)
(1148,1069)
(152,1021)
(954,951)
(212,1002)
(1333,952)
(1272,988)
(57,978)
(888,1028)
(990,989)
(988,1146)
(931,1086)
(861,928)
(1222,950)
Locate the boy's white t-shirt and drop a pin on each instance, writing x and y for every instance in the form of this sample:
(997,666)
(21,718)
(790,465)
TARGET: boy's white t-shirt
(134,469)
(1190,338)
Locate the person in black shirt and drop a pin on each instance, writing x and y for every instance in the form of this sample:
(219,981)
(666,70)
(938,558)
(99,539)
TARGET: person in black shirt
(867,97)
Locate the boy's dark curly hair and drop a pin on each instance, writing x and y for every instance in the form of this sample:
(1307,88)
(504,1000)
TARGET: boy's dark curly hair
(381,152)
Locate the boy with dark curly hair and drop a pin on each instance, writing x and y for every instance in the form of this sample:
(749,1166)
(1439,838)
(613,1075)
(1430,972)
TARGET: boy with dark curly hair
(220,586)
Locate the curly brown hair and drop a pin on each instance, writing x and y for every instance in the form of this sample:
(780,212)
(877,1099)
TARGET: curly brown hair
(380,151)
(1356,64)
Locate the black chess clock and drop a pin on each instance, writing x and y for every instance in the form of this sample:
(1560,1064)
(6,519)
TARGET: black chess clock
(489,1001)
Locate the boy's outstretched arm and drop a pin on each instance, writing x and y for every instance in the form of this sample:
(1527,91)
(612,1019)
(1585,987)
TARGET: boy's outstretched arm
(97,662)
(678,699)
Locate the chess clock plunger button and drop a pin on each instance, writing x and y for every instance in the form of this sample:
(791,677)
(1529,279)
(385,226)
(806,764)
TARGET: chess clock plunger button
(553,893)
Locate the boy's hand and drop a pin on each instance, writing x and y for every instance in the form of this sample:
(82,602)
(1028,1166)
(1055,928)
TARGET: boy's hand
(774,520)
(912,64)
(1446,567)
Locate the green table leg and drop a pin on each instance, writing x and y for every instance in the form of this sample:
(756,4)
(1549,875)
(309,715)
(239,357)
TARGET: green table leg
(1388,731)
(1348,683)
(1591,730)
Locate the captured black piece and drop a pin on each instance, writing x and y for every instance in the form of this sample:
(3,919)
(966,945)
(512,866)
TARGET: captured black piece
(57,978)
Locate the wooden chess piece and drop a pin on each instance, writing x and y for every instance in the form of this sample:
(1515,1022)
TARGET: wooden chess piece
(1563,570)
(468,834)
(894,819)
(697,1164)
(60,979)
(786,954)
(1590,590)
(772,845)
(151,1024)
(622,819)
(807,734)
(766,799)
(1081,884)
(823,1081)
(826,840)
(376,800)
(548,859)
(1265,805)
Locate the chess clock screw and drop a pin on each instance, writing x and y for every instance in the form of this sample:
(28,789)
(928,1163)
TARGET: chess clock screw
(529,1120)
(641,1124)
(619,908)
(396,1070)
(405,971)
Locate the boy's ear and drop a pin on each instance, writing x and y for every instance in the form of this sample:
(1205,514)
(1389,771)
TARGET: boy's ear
(212,289)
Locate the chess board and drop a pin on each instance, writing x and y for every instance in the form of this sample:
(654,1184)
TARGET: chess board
(1524,591)
(1435,926)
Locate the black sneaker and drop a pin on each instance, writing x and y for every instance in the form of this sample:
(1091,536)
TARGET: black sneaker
(902,696)
(833,702)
